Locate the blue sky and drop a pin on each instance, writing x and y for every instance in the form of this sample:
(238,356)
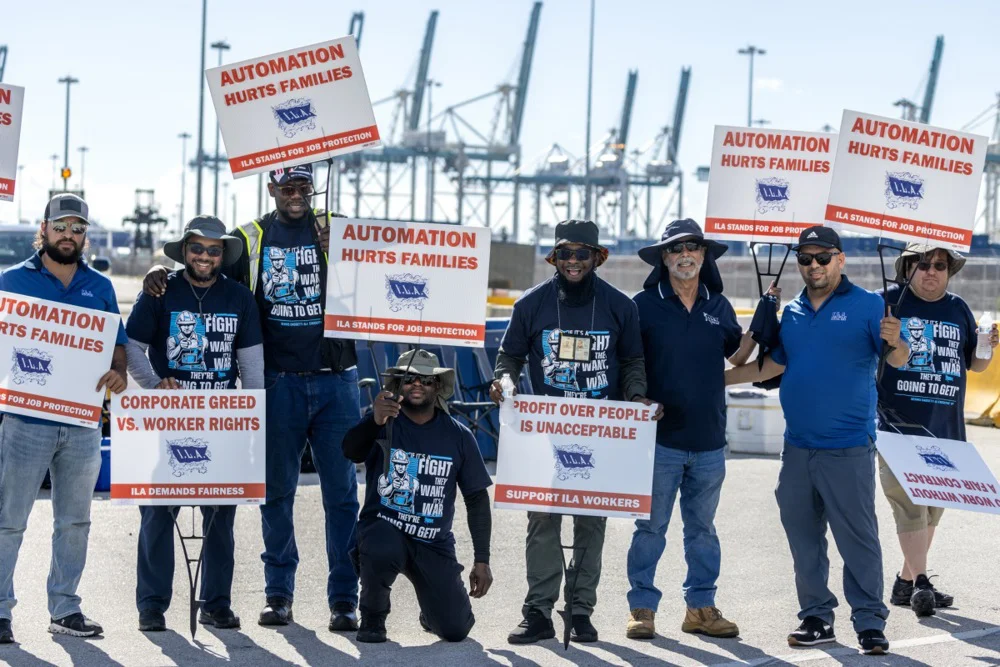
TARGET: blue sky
(138,65)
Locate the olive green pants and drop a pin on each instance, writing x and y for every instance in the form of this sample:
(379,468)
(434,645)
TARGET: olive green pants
(544,560)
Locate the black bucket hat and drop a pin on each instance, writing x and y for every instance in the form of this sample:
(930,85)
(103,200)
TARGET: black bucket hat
(583,232)
(209,227)
(680,230)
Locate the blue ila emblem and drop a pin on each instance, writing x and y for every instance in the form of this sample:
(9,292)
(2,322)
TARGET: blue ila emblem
(935,458)
(188,455)
(903,189)
(406,291)
(772,194)
(573,461)
(31,365)
(295,115)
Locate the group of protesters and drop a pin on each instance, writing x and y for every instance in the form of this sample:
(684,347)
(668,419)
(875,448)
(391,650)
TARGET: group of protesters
(246,310)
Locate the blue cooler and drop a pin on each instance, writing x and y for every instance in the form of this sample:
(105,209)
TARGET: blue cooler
(104,478)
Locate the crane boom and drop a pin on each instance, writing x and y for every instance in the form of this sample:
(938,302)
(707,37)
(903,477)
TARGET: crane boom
(422,69)
(626,118)
(675,129)
(3,61)
(521,95)
(932,77)
(357,25)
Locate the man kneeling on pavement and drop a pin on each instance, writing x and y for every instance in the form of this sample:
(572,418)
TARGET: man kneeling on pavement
(416,456)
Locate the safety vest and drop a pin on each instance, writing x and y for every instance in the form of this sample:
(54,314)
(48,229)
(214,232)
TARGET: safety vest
(254,235)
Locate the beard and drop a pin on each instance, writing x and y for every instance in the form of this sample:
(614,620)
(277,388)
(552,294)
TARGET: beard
(685,272)
(194,274)
(60,256)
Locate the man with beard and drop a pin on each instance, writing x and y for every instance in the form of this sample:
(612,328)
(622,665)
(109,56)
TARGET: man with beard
(831,340)
(312,392)
(580,338)
(72,454)
(213,320)
(414,465)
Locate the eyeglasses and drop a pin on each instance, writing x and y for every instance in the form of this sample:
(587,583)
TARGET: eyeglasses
(938,266)
(289,190)
(678,248)
(425,380)
(582,254)
(822,258)
(199,249)
(60,228)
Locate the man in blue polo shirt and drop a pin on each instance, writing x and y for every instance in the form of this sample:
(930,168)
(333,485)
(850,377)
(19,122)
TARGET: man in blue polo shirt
(30,446)
(831,337)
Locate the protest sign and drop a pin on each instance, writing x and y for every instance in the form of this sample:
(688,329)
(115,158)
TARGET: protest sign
(906,181)
(11,105)
(941,473)
(56,354)
(294,107)
(576,456)
(407,282)
(767,185)
(180,447)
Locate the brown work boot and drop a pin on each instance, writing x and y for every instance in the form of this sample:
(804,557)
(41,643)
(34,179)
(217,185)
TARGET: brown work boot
(709,621)
(640,624)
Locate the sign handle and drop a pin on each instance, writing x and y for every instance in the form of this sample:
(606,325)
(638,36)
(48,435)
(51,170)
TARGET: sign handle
(194,575)
(769,270)
(572,573)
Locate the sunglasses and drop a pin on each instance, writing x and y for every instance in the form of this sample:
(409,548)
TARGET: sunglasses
(199,249)
(938,266)
(425,380)
(822,258)
(678,248)
(289,190)
(60,227)
(582,254)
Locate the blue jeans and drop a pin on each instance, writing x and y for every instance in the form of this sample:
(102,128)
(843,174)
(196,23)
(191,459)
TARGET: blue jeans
(72,454)
(320,408)
(698,476)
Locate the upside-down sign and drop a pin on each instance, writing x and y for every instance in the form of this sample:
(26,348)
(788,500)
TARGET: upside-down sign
(294,107)
(11,105)
(906,181)
(181,447)
(407,282)
(576,456)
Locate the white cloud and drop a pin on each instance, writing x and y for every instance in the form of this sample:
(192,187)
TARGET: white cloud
(772,85)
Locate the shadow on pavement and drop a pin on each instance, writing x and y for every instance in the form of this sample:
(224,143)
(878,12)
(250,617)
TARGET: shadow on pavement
(85,651)
(952,623)
(466,652)
(16,656)
(737,648)
(512,657)
(241,648)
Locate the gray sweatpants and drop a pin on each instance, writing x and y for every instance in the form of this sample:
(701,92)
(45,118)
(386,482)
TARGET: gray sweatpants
(817,487)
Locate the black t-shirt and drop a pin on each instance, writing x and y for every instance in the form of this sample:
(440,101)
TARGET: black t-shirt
(930,388)
(197,347)
(603,331)
(427,463)
(290,296)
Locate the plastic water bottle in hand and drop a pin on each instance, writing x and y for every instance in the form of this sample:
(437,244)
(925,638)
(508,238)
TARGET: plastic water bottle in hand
(507,406)
(983,348)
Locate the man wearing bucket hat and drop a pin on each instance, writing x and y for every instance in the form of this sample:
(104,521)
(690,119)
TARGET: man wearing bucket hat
(689,329)
(580,338)
(928,390)
(416,458)
(203,333)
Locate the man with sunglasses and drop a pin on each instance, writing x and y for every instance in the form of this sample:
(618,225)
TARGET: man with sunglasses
(203,333)
(580,338)
(414,466)
(312,391)
(29,445)
(832,336)
(940,333)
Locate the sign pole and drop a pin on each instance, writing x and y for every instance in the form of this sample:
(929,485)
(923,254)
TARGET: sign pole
(194,575)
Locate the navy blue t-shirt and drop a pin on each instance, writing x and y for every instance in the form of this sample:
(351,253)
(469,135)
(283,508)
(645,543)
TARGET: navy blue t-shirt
(610,322)
(428,462)
(930,388)
(290,296)
(196,347)
(686,356)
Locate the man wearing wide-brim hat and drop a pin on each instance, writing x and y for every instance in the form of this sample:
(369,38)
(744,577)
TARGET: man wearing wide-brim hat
(928,390)
(580,339)
(416,458)
(202,333)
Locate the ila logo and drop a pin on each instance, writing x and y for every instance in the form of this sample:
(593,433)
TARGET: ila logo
(31,365)
(573,461)
(710,319)
(935,458)
(903,190)
(295,115)
(188,455)
(772,194)
(838,316)
(406,291)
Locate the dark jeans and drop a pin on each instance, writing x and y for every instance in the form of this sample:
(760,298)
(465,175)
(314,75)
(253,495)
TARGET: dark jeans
(320,407)
(155,569)
(544,562)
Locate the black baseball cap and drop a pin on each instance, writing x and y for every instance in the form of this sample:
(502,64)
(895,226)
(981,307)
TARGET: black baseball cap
(824,237)
(282,176)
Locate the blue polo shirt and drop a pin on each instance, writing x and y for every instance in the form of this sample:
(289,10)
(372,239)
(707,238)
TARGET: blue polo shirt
(686,356)
(87,289)
(830,357)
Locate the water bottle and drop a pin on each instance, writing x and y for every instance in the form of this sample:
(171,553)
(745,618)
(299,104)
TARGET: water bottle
(507,406)
(983,348)
(507,386)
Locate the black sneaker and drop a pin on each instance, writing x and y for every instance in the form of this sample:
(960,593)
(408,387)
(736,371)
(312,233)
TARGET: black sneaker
(372,630)
(6,631)
(151,620)
(343,617)
(76,625)
(873,642)
(811,632)
(583,630)
(223,618)
(278,611)
(423,623)
(941,600)
(902,591)
(922,600)
(533,628)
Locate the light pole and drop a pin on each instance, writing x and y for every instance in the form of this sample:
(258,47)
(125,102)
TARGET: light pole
(219,46)
(590,94)
(55,169)
(225,195)
(83,155)
(69,81)
(431,85)
(751,51)
(20,192)
(183,136)
(201,106)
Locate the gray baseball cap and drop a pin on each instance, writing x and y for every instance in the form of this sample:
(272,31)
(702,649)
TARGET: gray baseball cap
(67,205)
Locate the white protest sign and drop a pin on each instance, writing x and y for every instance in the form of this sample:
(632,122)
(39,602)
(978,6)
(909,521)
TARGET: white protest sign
(11,106)
(941,473)
(407,282)
(576,456)
(294,107)
(906,181)
(180,447)
(55,354)
(767,185)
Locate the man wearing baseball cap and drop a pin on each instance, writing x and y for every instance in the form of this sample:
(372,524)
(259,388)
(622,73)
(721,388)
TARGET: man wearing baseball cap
(31,445)
(831,336)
